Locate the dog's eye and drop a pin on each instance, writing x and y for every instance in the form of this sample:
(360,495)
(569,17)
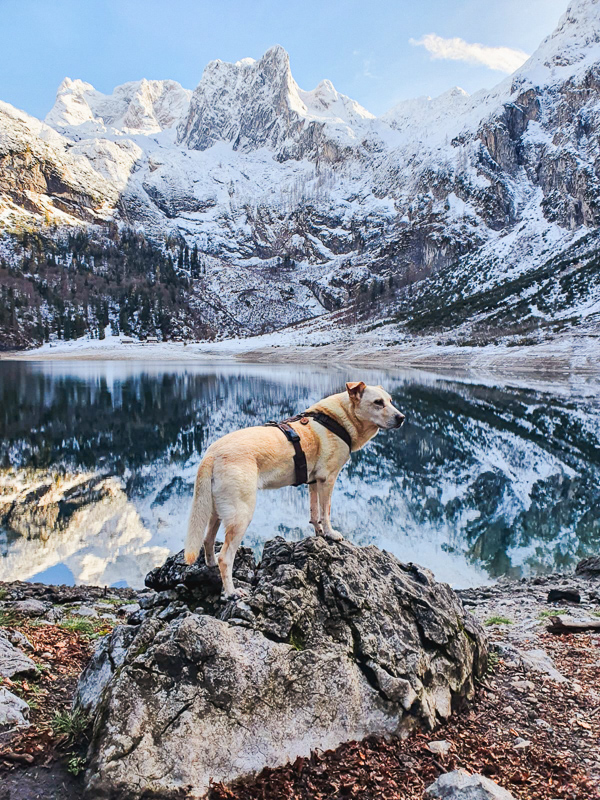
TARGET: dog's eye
(378,403)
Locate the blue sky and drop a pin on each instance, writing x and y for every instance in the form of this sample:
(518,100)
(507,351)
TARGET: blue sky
(364,47)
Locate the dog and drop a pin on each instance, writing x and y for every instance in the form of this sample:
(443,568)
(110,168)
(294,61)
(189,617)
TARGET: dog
(238,464)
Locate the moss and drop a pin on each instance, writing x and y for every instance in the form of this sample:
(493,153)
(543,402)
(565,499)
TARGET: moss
(297,639)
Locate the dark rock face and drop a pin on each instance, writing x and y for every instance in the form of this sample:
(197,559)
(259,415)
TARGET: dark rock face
(589,566)
(333,642)
(566,595)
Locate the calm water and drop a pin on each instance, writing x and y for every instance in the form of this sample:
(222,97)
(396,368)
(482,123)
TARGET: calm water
(98,461)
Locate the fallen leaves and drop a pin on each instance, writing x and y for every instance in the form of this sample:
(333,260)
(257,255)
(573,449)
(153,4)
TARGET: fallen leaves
(50,693)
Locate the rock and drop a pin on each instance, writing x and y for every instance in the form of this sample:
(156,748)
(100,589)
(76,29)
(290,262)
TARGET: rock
(566,624)
(29,608)
(523,686)
(441,747)
(108,657)
(13,662)
(531,660)
(84,611)
(18,639)
(564,595)
(521,744)
(589,567)
(459,785)
(336,642)
(14,712)
(128,608)
(541,723)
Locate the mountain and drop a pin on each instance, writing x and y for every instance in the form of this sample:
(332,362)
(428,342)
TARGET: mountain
(302,202)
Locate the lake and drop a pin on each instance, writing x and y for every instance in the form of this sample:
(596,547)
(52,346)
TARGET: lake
(486,478)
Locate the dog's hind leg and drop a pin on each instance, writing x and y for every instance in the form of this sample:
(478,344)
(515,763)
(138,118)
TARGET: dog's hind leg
(315,517)
(209,541)
(233,538)
(235,500)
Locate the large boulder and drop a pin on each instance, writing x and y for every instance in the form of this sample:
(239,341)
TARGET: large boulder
(334,642)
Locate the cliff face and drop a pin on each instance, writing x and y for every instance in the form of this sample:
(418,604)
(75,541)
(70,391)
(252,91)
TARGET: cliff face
(254,170)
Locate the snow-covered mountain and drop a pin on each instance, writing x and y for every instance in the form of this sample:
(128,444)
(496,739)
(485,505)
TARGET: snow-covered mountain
(255,171)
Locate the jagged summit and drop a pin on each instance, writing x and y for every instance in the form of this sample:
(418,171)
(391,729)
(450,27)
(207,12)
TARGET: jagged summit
(255,104)
(258,172)
(143,106)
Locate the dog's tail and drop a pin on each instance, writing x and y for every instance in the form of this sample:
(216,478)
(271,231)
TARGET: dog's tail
(202,505)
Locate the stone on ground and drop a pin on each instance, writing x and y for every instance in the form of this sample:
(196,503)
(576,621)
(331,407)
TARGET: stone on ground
(333,643)
(29,607)
(459,785)
(13,662)
(14,712)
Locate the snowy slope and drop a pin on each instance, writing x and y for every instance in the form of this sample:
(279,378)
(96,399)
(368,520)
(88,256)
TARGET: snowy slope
(254,170)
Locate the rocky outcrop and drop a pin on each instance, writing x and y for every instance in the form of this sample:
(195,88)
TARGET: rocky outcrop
(332,643)
(589,567)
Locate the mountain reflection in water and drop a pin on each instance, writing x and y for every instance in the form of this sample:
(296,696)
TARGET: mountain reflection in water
(98,461)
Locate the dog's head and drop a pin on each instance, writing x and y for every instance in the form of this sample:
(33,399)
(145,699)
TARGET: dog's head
(374,404)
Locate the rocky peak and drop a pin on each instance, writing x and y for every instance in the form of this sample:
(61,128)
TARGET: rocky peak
(255,104)
(575,42)
(136,107)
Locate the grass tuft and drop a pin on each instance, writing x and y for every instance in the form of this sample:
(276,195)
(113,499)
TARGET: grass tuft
(78,625)
(76,765)
(554,612)
(8,619)
(72,724)
(498,621)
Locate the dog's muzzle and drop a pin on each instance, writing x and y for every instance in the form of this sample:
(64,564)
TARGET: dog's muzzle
(399,420)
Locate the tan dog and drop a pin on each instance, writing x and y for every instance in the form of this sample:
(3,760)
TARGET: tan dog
(239,463)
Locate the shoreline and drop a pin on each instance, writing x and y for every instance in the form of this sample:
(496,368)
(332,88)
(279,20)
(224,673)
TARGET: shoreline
(556,359)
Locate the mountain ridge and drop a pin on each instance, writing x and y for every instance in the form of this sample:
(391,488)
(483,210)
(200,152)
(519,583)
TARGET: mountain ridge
(254,171)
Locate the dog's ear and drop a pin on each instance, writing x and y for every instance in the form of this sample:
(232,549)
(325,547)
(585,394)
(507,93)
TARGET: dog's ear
(356,390)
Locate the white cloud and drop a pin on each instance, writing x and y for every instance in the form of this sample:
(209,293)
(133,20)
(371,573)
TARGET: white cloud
(502,59)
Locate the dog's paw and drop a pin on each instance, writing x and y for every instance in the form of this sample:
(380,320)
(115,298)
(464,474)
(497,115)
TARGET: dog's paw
(191,557)
(211,561)
(237,594)
(336,536)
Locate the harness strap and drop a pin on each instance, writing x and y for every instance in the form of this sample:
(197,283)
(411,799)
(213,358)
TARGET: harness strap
(332,425)
(299,458)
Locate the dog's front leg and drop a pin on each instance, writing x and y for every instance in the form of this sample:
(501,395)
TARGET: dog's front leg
(324,491)
(315,517)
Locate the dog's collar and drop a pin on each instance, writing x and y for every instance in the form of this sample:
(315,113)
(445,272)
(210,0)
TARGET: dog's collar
(331,424)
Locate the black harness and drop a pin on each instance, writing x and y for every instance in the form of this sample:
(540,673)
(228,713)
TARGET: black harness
(299,458)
